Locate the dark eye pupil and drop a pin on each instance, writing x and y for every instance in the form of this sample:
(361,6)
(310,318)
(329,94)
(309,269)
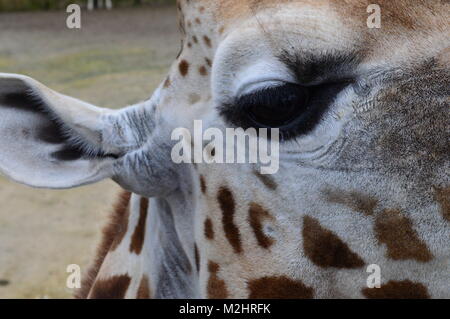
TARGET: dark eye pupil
(276,107)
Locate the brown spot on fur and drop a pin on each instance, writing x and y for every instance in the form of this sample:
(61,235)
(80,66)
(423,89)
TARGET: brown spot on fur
(120,217)
(209,230)
(202,184)
(194,38)
(208,62)
(186,265)
(226,202)
(202,70)
(113,234)
(257,215)
(216,286)
(443,197)
(354,200)
(137,240)
(207,40)
(397,290)
(395,230)
(197,20)
(325,249)
(197,257)
(167,82)
(144,289)
(183,67)
(279,288)
(266,180)
(111,288)
(201,9)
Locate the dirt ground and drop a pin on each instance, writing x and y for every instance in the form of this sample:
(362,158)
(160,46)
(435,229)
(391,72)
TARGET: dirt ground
(117,58)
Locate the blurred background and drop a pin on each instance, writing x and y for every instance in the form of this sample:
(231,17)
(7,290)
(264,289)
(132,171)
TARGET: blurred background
(117,58)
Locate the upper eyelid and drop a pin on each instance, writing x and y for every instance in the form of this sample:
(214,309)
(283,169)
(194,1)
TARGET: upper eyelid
(260,71)
(281,83)
(254,87)
(293,70)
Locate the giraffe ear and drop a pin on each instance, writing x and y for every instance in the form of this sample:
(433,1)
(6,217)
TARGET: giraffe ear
(48,139)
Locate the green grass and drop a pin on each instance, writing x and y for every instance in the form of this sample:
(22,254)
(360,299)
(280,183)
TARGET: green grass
(89,63)
(5,61)
(108,76)
(95,64)
(111,77)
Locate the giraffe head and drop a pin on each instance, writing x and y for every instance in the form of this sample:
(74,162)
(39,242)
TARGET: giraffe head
(363,118)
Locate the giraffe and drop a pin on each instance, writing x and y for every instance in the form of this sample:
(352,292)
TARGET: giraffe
(364,165)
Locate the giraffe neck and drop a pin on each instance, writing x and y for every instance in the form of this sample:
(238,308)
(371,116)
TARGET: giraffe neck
(146,251)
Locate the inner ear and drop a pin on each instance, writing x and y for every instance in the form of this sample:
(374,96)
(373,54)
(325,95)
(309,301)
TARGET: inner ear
(48,139)
(47,128)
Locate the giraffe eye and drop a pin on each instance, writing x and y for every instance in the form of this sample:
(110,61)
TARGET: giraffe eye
(275,107)
(292,108)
